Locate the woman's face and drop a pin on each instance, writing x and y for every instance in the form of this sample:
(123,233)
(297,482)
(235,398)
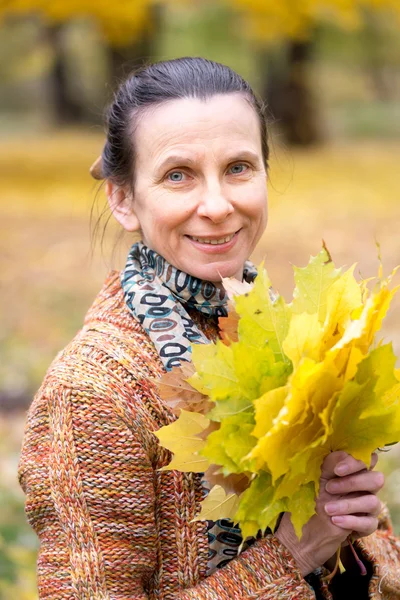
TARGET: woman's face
(200,195)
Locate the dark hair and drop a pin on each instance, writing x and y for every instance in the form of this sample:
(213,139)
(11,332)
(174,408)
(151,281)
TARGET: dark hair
(157,83)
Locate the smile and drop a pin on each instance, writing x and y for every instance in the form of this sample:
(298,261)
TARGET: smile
(213,242)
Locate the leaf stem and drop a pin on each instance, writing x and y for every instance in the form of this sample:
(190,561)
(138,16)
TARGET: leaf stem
(361,566)
(339,565)
(328,578)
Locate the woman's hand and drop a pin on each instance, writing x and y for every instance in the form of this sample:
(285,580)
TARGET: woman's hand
(346,504)
(355,505)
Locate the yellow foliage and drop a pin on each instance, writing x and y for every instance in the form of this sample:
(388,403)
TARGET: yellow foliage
(120,21)
(302,380)
(265,20)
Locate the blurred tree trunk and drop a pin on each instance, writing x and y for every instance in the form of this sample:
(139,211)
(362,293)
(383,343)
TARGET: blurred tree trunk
(125,59)
(376,58)
(66,109)
(69,108)
(288,93)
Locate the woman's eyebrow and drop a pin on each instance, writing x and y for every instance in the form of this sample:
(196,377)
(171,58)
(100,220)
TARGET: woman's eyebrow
(174,160)
(243,155)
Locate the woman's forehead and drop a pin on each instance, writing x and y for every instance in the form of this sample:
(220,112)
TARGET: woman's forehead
(190,126)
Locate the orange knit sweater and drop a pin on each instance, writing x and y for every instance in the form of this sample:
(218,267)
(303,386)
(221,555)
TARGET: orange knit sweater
(111,525)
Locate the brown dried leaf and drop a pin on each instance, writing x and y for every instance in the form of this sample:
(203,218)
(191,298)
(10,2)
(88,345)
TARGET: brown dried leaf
(228,326)
(177,393)
(213,426)
(234,483)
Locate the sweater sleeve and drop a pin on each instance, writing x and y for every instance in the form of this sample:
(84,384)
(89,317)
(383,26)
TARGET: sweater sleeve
(90,498)
(266,571)
(382,551)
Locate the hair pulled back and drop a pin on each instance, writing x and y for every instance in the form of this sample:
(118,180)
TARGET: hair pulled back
(155,84)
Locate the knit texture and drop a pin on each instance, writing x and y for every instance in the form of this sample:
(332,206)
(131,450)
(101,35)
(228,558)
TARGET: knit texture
(111,525)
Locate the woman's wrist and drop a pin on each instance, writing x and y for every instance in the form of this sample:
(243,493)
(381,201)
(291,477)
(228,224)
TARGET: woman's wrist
(297,550)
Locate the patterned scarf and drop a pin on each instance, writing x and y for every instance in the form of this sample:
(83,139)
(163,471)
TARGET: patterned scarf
(156,294)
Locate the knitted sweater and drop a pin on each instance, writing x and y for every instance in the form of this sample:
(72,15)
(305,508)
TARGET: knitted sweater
(111,525)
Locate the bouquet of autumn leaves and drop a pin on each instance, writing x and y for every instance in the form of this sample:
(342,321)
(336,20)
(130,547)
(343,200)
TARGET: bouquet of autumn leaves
(286,384)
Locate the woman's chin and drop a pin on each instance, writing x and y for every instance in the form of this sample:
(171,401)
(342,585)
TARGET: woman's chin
(216,271)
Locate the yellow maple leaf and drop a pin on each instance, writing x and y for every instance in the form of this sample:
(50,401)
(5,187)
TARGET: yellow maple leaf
(361,332)
(218,505)
(303,338)
(181,438)
(299,422)
(343,300)
(267,407)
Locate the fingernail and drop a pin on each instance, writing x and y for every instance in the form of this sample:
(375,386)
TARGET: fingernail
(337,520)
(331,507)
(342,469)
(332,487)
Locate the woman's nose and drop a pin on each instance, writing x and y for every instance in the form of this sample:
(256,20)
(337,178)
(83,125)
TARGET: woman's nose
(215,205)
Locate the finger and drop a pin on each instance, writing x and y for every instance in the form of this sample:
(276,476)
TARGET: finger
(330,462)
(363,525)
(368,504)
(351,465)
(365,481)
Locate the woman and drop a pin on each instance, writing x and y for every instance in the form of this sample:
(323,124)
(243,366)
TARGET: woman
(185,164)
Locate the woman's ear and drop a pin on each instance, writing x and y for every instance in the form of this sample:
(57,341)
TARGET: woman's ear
(121,206)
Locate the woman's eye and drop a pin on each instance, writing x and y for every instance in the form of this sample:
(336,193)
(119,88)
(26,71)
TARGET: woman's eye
(175,176)
(238,169)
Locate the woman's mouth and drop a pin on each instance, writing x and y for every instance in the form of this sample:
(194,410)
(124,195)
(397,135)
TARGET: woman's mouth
(214,244)
(212,241)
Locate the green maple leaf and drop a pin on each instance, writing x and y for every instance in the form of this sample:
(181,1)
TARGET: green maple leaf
(353,433)
(214,450)
(301,505)
(312,285)
(263,320)
(215,367)
(231,443)
(229,408)
(257,509)
(233,377)
(380,365)
(257,371)
(239,444)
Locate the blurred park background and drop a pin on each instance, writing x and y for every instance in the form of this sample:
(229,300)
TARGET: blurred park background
(330,74)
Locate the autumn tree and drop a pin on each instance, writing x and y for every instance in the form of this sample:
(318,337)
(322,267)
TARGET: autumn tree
(128,28)
(286,83)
